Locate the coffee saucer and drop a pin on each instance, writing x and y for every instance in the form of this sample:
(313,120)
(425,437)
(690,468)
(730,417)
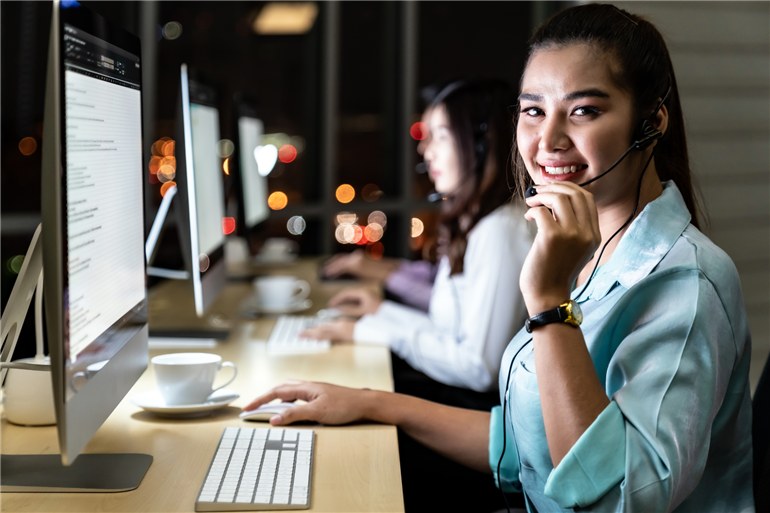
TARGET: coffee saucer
(154,403)
(254,306)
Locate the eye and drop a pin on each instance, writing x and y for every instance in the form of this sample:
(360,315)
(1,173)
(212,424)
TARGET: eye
(585,111)
(531,111)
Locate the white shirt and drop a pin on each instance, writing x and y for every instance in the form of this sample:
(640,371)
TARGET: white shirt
(472,315)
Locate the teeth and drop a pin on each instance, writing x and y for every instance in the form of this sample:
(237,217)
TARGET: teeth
(563,170)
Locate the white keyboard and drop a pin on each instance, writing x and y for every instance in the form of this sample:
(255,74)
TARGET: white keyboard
(285,339)
(259,469)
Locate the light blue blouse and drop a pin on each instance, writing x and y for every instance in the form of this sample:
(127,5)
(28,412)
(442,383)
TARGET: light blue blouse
(665,324)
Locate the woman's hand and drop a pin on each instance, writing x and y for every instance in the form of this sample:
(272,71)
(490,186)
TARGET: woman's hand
(567,236)
(336,330)
(357,264)
(356,301)
(323,403)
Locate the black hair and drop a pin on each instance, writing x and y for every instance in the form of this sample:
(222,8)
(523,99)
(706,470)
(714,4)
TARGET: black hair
(479,119)
(643,67)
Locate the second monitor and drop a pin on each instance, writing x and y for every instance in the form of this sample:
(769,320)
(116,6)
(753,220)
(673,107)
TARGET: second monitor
(201,190)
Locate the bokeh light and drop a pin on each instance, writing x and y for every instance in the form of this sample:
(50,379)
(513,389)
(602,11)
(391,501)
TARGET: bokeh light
(345,218)
(287,153)
(27,146)
(166,186)
(417,130)
(14,263)
(168,147)
(167,169)
(154,164)
(225,148)
(371,192)
(373,232)
(296,225)
(418,227)
(277,200)
(228,225)
(226,166)
(172,30)
(205,262)
(379,217)
(345,193)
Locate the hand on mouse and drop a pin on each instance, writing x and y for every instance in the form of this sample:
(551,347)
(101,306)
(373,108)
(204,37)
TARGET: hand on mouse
(326,403)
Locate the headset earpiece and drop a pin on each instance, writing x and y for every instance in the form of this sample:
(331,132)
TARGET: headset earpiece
(648,134)
(481,146)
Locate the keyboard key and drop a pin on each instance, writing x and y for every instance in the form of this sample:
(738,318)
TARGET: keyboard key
(285,339)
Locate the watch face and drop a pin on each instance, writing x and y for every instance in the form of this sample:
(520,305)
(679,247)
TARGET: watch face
(574,313)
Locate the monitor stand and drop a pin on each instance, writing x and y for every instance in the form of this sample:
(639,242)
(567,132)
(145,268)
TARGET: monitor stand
(88,473)
(46,472)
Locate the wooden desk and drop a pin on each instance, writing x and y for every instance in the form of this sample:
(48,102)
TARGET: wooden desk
(356,467)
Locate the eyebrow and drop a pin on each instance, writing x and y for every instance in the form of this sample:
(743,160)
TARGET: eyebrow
(583,93)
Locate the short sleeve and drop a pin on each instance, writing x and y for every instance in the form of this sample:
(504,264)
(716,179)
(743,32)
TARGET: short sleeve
(576,480)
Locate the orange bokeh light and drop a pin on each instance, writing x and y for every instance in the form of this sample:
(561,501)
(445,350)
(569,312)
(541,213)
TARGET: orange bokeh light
(226,166)
(166,186)
(168,147)
(27,146)
(277,200)
(154,164)
(345,193)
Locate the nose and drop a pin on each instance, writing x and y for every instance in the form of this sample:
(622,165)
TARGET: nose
(427,151)
(553,135)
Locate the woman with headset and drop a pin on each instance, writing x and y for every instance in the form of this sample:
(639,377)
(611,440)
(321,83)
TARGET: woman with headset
(451,353)
(475,305)
(641,401)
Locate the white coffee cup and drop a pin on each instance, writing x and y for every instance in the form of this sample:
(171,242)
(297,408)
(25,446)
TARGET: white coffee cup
(188,378)
(278,248)
(28,395)
(276,292)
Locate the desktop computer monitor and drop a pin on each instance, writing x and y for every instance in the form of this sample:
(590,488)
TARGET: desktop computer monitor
(249,181)
(95,295)
(201,197)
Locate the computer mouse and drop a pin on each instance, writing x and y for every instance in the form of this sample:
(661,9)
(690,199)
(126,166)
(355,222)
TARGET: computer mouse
(264,412)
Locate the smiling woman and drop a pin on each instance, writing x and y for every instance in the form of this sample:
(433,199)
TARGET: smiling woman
(593,407)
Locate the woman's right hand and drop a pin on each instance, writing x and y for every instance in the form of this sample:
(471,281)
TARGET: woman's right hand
(567,237)
(323,403)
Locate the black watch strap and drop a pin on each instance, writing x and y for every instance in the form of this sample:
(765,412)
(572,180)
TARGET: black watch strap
(567,313)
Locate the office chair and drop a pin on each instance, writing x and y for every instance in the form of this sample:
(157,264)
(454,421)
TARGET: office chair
(761,438)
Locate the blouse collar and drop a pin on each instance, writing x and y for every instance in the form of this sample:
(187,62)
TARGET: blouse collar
(648,239)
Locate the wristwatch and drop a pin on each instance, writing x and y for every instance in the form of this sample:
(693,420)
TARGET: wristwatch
(568,312)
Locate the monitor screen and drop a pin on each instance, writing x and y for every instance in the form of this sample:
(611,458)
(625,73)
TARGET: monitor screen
(92,232)
(251,181)
(200,178)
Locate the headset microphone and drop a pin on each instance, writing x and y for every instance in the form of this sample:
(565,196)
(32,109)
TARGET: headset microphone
(435,197)
(648,136)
